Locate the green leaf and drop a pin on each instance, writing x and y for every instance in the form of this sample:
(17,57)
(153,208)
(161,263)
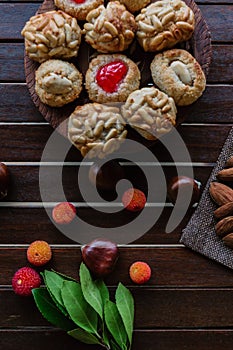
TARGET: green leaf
(115,324)
(105,335)
(125,306)
(79,310)
(113,345)
(103,290)
(49,310)
(90,290)
(54,282)
(65,277)
(84,336)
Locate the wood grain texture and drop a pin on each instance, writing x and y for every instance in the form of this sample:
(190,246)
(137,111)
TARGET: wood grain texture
(17,110)
(171,267)
(220,30)
(215,106)
(12,59)
(187,304)
(174,339)
(28,141)
(153,309)
(25,225)
(25,181)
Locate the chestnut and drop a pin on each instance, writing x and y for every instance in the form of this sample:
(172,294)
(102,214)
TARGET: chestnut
(105,177)
(4,180)
(183,184)
(100,256)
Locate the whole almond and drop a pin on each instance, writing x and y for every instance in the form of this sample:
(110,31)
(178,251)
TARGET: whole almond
(229,162)
(225,175)
(220,193)
(228,240)
(224,226)
(224,210)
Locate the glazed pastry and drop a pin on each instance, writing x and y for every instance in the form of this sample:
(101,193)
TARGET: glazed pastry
(51,34)
(78,8)
(110,29)
(150,111)
(96,130)
(163,24)
(58,83)
(134,5)
(177,73)
(111,78)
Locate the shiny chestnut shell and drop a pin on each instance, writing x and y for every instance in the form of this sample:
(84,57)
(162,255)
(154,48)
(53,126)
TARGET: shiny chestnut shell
(100,256)
(105,177)
(185,185)
(4,180)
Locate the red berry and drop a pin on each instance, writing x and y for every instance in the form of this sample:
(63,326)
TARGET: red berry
(134,199)
(64,213)
(39,253)
(140,272)
(24,280)
(110,75)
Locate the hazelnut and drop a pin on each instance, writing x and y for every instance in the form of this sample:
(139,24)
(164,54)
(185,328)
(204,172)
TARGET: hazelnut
(4,180)
(100,256)
(105,177)
(183,184)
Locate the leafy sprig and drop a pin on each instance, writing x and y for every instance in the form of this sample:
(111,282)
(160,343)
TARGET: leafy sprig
(84,309)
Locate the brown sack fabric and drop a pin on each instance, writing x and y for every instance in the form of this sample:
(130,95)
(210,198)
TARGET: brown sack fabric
(199,234)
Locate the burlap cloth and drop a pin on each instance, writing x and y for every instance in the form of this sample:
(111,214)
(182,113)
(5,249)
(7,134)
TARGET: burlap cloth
(199,234)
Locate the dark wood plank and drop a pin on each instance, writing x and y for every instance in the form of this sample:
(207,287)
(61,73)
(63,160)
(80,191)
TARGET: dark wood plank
(214,106)
(11,58)
(153,308)
(16,104)
(149,339)
(12,62)
(25,181)
(28,141)
(221,66)
(16,223)
(221,30)
(25,187)
(22,12)
(170,267)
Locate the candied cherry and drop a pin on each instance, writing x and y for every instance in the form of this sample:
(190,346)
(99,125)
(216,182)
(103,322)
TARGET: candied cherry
(110,75)
(79,1)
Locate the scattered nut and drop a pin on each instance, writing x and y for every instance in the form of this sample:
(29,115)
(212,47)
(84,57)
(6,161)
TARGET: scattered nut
(100,256)
(220,193)
(228,240)
(224,210)
(185,185)
(225,174)
(4,180)
(224,226)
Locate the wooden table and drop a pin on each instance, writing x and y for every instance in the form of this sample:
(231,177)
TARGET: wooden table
(187,304)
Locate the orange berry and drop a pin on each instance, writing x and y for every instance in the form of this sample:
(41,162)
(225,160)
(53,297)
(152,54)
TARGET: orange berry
(140,272)
(39,253)
(64,213)
(134,199)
